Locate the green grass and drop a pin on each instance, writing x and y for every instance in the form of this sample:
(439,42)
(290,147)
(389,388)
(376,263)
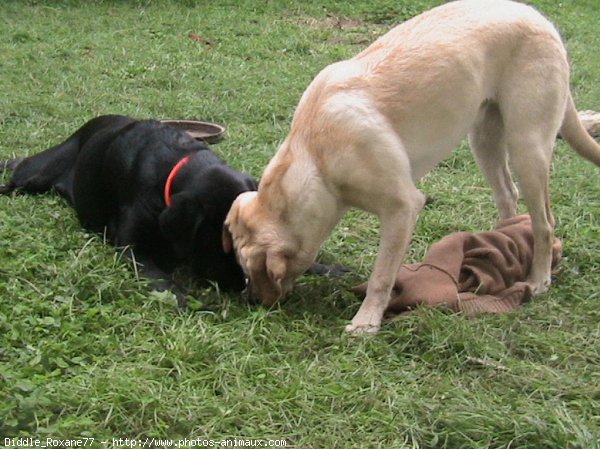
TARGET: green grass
(87,350)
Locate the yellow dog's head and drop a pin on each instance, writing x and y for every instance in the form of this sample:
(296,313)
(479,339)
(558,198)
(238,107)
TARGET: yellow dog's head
(266,251)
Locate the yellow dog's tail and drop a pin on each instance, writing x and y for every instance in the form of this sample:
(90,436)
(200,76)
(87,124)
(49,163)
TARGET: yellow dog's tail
(575,134)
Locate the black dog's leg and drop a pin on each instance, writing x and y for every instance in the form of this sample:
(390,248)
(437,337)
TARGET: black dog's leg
(125,233)
(53,167)
(41,172)
(9,165)
(160,280)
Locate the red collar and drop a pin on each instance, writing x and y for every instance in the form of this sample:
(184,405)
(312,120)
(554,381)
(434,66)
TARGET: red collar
(174,171)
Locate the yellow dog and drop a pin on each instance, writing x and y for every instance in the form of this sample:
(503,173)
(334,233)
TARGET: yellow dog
(368,128)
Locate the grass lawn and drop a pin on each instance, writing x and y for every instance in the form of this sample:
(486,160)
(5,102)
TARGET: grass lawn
(86,350)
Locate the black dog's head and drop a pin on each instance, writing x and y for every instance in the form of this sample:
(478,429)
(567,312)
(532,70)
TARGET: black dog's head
(194,222)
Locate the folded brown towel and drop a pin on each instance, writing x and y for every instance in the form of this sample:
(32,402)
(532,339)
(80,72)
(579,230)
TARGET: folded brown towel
(470,272)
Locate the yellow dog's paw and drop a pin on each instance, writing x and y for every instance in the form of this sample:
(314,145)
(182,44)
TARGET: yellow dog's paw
(361,329)
(539,287)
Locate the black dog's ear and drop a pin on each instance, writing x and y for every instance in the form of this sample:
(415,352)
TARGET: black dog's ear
(179,222)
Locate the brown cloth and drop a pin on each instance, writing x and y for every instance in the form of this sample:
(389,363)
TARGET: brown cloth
(470,272)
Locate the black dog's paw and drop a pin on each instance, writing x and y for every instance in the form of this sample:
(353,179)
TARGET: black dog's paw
(10,164)
(162,285)
(6,188)
(320,269)
(182,303)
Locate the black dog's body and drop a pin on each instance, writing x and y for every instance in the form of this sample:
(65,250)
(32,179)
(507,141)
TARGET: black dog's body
(113,172)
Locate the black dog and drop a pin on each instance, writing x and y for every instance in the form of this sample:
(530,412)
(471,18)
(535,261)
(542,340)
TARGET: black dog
(148,186)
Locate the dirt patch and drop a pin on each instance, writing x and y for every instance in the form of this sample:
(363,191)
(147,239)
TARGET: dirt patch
(340,23)
(345,30)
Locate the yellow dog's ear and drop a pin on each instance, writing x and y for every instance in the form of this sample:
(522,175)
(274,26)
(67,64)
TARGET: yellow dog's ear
(276,270)
(227,239)
(233,219)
